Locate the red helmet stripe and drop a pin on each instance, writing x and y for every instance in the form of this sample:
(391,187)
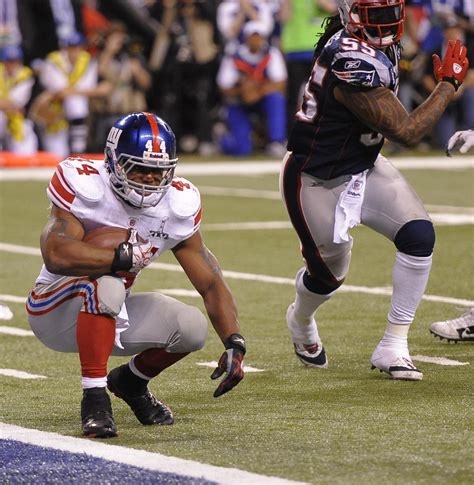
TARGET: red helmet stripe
(155,130)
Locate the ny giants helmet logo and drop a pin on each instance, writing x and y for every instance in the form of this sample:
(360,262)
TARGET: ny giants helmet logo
(113,138)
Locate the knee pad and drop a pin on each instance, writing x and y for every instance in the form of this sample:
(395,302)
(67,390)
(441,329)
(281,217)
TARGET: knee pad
(111,295)
(192,328)
(416,238)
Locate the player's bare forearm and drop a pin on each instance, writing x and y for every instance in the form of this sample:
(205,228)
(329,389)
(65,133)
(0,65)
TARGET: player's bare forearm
(381,110)
(203,270)
(64,252)
(218,300)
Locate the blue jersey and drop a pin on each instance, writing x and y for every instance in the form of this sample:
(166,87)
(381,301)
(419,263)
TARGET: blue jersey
(328,140)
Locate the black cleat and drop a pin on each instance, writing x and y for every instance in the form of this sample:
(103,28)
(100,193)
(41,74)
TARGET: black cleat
(145,406)
(96,414)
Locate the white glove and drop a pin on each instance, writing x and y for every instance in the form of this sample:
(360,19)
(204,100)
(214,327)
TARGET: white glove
(132,255)
(142,252)
(464,140)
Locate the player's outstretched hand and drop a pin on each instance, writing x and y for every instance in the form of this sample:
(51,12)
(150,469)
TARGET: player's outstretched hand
(464,140)
(231,363)
(454,66)
(132,255)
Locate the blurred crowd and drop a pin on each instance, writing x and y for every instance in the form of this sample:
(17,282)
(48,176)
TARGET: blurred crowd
(227,75)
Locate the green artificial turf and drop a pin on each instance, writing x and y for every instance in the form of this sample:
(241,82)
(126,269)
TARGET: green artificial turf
(343,425)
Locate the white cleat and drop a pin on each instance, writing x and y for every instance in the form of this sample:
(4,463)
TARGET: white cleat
(311,355)
(396,363)
(459,329)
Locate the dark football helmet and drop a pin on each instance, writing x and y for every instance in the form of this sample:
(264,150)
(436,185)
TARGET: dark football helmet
(376,22)
(140,142)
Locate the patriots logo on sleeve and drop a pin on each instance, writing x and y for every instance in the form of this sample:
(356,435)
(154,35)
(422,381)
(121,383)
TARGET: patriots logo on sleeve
(359,77)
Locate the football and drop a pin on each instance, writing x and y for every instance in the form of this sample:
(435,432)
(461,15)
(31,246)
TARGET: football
(106,237)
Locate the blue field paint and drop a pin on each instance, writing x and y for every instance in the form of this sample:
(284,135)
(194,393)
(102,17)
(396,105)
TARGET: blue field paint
(25,463)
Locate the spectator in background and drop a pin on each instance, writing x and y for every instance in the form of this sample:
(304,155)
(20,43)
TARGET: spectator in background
(253,81)
(45,24)
(232,15)
(302,23)
(184,84)
(70,78)
(16,83)
(123,67)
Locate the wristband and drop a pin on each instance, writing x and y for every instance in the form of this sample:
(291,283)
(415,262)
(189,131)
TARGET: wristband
(453,81)
(236,341)
(123,259)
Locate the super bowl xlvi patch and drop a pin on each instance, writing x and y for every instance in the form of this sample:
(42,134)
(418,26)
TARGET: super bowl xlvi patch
(160,232)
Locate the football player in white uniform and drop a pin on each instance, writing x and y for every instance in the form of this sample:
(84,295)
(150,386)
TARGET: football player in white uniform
(460,329)
(82,302)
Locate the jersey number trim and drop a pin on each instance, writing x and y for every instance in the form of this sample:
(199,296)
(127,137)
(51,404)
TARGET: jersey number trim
(86,169)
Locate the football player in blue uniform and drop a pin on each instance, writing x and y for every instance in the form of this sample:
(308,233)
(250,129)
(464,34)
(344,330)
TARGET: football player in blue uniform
(333,176)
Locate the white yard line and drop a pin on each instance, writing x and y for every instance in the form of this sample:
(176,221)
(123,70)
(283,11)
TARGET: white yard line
(19,375)
(178,292)
(18,332)
(437,360)
(213,365)
(236,192)
(246,226)
(241,167)
(138,458)
(278,280)
(439,219)
(13,299)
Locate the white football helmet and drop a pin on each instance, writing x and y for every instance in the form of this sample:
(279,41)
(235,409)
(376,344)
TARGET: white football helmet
(376,22)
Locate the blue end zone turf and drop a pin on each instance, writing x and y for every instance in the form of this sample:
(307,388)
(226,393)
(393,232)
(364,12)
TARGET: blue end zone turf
(25,463)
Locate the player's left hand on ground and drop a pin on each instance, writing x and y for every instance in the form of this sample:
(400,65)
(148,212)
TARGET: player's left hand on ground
(231,363)
(454,66)
(464,140)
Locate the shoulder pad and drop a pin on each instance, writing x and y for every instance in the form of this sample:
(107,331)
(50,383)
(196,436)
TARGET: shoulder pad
(359,64)
(75,177)
(184,198)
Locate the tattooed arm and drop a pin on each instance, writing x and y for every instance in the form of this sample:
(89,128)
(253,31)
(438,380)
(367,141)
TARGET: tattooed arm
(381,110)
(64,252)
(202,269)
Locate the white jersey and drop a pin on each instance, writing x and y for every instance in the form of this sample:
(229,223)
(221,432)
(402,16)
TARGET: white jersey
(82,187)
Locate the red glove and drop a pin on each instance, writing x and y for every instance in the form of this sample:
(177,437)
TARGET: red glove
(455,64)
(231,363)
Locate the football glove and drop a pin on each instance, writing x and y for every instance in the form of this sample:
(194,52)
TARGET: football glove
(231,363)
(464,140)
(132,255)
(454,66)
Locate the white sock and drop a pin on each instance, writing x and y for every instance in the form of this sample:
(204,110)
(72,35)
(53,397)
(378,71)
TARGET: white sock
(395,336)
(306,302)
(90,382)
(410,276)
